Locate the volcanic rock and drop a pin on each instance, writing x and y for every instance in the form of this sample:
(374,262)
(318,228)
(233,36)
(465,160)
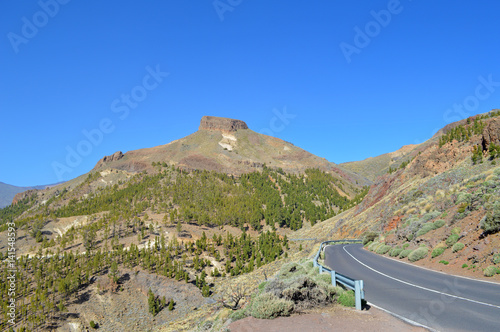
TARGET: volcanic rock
(221,124)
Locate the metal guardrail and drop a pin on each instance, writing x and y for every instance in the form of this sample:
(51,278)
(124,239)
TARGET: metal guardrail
(355,285)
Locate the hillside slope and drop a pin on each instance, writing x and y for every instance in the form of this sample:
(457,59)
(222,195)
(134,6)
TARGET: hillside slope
(448,193)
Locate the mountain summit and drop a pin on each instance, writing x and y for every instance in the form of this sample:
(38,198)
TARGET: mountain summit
(228,146)
(221,124)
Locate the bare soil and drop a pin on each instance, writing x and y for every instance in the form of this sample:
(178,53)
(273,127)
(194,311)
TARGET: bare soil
(334,318)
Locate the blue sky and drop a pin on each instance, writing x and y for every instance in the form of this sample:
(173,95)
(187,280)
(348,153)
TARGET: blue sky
(345,80)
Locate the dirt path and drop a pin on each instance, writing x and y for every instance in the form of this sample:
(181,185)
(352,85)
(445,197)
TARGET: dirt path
(330,319)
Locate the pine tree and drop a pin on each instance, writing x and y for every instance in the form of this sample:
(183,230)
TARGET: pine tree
(171,305)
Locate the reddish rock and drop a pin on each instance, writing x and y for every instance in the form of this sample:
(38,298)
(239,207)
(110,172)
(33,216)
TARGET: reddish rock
(491,133)
(221,124)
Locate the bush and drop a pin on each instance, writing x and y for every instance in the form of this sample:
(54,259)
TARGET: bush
(431,215)
(384,249)
(347,299)
(455,230)
(238,314)
(93,324)
(458,246)
(303,291)
(375,246)
(291,269)
(439,223)
(418,254)
(436,252)
(444,262)
(452,239)
(464,266)
(496,259)
(406,245)
(491,222)
(490,271)
(369,237)
(268,306)
(395,252)
(405,253)
(463,197)
(427,227)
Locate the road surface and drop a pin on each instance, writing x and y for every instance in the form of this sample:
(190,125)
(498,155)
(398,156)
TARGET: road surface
(436,300)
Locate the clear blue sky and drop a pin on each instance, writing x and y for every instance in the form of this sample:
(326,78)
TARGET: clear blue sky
(65,70)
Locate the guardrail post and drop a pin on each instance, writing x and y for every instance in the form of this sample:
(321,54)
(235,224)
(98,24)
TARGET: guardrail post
(358,287)
(315,263)
(320,269)
(334,278)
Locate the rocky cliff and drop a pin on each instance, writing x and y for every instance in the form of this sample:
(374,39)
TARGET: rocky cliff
(107,159)
(221,124)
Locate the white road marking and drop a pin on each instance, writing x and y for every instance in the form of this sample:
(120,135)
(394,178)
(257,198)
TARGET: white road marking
(409,321)
(417,286)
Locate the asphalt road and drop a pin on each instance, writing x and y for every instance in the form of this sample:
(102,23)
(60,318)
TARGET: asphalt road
(436,300)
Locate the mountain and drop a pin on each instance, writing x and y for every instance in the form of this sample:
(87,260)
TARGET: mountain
(8,191)
(227,146)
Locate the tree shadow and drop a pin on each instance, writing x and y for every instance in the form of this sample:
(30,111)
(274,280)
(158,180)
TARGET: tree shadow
(83,297)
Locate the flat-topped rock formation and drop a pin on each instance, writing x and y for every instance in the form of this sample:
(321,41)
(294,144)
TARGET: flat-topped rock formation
(221,124)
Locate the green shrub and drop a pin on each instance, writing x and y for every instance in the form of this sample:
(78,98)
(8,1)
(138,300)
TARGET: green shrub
(347,299)
(368,244)
(395,252)
(444,262)
(455,230)
(496,259)
(490,271)
(418,254)
(452,239)
(458,246)
(405,253)
(291,269)
(431,215)
(262,285)
(268,306)
(427,227)
(93,324)
(464,266)
(325,278)
(436,252)
(384,249)
(308,265)
(406,245)
(439,223)
(314,271)
(375,246)
(491,222)
(369,237)
(463,197)
(238,314)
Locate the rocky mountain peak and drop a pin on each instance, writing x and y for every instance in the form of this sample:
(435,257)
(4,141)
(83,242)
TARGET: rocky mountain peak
(221,124)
